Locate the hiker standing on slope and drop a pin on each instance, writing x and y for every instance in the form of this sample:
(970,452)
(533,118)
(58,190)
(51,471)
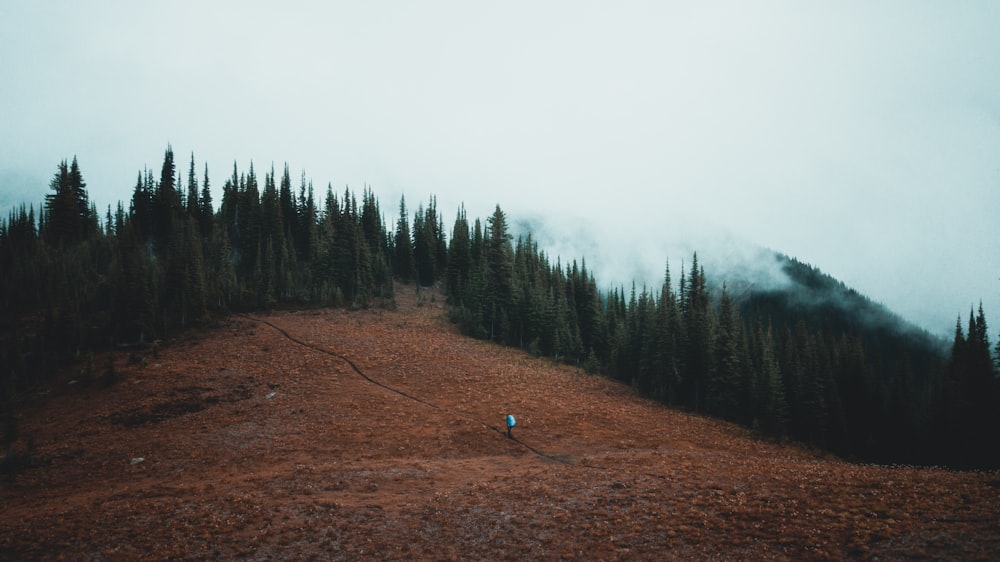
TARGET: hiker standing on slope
(511,422)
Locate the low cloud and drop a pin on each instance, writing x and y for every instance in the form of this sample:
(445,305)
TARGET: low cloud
(617,257)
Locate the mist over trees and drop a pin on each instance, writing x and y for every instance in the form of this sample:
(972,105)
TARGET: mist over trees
(815,363)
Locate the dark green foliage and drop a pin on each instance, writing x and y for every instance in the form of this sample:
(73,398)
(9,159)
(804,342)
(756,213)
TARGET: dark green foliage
(376,251)
(206,214)
(723,389)
(771,407)
(403,266)
(697,344)
(165,204)
(70,217)
(459,270)
(430,250)
(499,277)
(966,410)
(191,205)
(291,221)
(169,261)
(135,296)
(816,362)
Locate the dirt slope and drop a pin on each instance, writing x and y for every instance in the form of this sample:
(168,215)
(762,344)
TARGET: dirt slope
(260,441)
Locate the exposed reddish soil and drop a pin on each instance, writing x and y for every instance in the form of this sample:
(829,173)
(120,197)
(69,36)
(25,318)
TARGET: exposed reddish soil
(259,442)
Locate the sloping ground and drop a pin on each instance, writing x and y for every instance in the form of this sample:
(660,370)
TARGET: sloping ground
(260,441)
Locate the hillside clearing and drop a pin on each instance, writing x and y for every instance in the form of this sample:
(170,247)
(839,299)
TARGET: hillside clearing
(260,441)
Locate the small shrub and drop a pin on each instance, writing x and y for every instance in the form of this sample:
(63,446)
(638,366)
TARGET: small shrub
(535,347)
(591,365)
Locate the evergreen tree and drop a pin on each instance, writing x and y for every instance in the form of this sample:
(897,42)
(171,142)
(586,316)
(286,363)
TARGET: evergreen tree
(980,423)
(459,259)
(640,334)
(996,354)
(440,240)
(698,340)
(588,308)
(953,404)
(424,245)
(63,224)
(272,215)
(226,283)
(723,386)
(195,280)
(979,363)
(666,344)
(192,203)
(306,241)
(289,214)
(351,264)
(404,264)
(376,249)
(371,225)
(206,214)
(478,246)
(135,301)
(165,204)
(773,410)
(84,209)
(809,412)
(500,272)
(70,217)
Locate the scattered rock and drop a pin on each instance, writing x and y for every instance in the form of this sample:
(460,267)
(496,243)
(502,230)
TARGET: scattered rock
(136,461)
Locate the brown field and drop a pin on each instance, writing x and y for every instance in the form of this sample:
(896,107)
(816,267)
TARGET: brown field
(260,442)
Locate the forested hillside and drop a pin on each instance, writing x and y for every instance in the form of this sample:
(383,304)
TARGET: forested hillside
(813,362)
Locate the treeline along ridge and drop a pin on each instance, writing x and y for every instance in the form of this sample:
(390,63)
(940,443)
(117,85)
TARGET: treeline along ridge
(815,363)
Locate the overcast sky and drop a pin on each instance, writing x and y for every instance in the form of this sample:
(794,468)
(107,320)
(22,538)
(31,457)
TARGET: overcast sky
(860,137)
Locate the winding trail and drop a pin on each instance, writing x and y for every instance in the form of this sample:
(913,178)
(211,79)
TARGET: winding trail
(362,374)
(344,358)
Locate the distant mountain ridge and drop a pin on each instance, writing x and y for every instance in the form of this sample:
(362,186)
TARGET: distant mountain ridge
(823,301)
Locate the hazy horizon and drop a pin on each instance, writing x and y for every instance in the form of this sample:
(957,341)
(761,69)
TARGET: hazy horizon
(859,138)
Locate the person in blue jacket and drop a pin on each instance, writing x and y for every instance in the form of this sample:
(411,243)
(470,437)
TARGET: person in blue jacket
(511,422)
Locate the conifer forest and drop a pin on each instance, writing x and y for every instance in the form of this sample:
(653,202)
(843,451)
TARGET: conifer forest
(816,363)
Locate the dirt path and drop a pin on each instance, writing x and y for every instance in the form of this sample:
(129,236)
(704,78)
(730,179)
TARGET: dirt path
(494,428)
(379,435)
